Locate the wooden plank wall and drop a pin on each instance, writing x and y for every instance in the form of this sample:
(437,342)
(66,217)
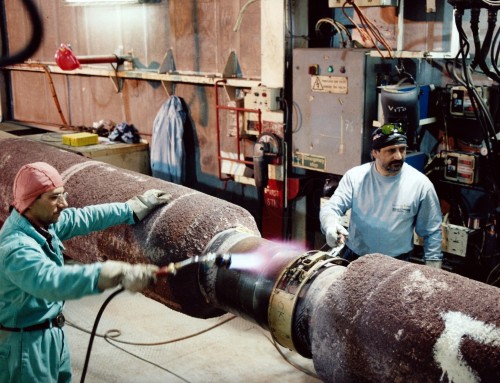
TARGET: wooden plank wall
(199,32)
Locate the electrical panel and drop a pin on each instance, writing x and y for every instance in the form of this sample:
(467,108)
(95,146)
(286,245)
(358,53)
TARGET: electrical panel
(455,239)
(364,3)
(335,98)
(460,103)
(260,98)
(461,167)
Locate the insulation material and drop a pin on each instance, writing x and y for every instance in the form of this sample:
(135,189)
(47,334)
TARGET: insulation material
(179,230)
(387,320)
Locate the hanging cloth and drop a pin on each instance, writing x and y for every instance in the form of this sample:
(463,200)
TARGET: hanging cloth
(167,148)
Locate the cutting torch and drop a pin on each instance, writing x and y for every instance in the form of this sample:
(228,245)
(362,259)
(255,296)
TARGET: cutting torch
(220,260)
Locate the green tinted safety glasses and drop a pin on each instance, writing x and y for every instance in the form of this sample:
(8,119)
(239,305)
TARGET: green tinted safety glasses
(388,129)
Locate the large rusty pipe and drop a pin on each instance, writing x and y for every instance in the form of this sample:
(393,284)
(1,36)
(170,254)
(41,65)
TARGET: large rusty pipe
(172,233)
(378,319)
(385,320)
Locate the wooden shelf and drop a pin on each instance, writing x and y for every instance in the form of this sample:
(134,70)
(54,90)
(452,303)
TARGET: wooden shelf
(151,75)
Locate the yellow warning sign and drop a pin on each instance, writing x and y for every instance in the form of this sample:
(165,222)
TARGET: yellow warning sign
(329,84)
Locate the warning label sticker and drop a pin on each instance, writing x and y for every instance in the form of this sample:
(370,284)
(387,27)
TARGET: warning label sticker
(329,84)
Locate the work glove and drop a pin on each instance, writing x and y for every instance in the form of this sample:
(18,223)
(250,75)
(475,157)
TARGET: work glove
(143,204)
(137,277)
(335,233)
(436,264)
(111,274)
(134,278)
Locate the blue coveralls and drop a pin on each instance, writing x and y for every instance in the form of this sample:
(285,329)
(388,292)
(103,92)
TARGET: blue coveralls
(34,282)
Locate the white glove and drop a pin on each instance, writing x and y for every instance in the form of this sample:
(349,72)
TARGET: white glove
(143,204)
(111,274)
(137,277)
(335,233)
(436,264)
(134,278)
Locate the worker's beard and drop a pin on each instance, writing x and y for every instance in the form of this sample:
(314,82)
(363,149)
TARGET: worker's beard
(394,167)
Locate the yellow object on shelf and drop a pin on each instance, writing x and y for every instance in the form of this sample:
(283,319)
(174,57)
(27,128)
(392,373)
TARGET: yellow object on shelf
(80,139)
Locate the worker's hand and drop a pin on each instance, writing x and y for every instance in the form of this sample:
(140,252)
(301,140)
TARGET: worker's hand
(143,204)
(133,278)
(111,274)
(434,263)
(137,277)
(335,233)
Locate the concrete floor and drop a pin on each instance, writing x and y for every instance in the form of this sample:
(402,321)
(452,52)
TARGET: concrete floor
(236,351)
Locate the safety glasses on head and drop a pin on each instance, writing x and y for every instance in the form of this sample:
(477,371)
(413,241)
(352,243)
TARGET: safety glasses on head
(388,134)
(392,128)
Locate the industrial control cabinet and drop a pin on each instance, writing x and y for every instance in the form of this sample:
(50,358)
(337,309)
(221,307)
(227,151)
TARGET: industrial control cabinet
(335,104)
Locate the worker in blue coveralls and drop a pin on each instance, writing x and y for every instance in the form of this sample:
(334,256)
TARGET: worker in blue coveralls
(34,282)
(389,199)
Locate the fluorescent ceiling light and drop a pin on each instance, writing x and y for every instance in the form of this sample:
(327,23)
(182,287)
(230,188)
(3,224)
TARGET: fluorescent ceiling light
(109,2)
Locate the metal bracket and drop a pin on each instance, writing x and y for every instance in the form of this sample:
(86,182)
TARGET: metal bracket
(231,70)
(117,82)
(168,66)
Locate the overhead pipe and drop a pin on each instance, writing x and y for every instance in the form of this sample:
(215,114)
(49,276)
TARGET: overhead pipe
(379,319)
(66,59)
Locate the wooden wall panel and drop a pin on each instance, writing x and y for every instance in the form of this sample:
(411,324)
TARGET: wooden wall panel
(249,41)
(33,101)
(228,40)
(199,32)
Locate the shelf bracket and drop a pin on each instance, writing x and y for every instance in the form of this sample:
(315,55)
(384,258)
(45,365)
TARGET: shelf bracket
(231,70)
(168,66)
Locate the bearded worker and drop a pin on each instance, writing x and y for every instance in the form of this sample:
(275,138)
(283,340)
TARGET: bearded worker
(389,200)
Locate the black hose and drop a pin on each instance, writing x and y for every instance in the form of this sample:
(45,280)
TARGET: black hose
(94,332)
(474,26)
(492,20)
(35,40)
(494,53)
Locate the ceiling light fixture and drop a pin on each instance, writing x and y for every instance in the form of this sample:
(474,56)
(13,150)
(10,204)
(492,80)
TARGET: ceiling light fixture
(109,2)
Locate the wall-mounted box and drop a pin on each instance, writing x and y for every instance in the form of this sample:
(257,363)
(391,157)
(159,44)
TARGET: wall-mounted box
(333,108)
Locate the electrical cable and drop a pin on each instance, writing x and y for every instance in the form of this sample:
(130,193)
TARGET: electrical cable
(94,331)
(294,365)
(477,102)
(494,52)
(147,361)
(474,26)
(370,31)
(492,3)
(114,333)
(35,39)
(240,15)
(329,21)
(54,95)
(111,337)
(491,275)
(298,113)
(338,27)
(492,20)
